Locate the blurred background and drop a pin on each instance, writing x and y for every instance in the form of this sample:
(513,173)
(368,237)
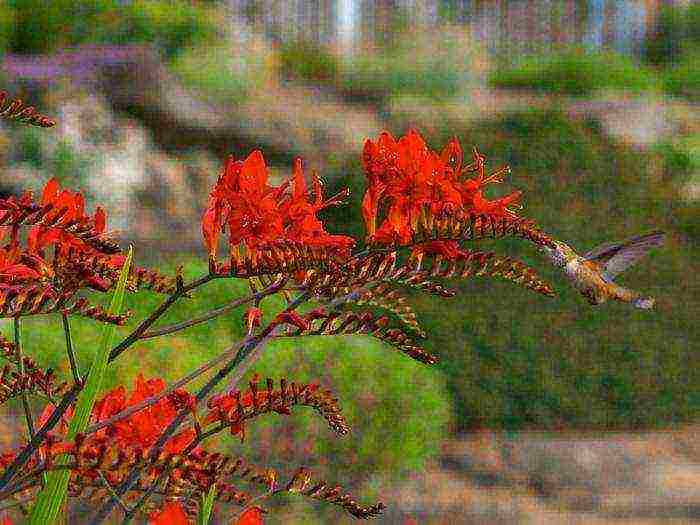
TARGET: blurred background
(541,410)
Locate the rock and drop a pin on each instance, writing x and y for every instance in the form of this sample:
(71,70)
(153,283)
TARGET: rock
(281,119)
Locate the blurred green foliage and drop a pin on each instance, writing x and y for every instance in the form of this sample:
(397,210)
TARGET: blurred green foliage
(677,30)
(423,63)
(7,25)
(212,72)
(575,72)
(681,161)
(58,157)
(38,26)
(397,408)
(307,61)
(683,77)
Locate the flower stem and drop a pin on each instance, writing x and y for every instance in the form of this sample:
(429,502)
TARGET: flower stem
(20,366)
(69,348)
(70,397)
(248,348)
(157,313)
(176,327)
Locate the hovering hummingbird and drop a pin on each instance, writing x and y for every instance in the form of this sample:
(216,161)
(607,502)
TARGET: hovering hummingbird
(594,272)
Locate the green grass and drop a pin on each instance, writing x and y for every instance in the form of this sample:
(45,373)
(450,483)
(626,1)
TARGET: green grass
(575,72)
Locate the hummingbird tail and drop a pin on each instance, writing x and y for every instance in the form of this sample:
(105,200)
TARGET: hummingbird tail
(645,303)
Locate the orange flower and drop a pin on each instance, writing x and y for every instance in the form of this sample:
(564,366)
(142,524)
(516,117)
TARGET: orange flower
(172,513)
(259,215)
(291,318)
(243,200)
(225,407)
(69,208)
(301,223)
(14,267)
(144,427)
(405,177)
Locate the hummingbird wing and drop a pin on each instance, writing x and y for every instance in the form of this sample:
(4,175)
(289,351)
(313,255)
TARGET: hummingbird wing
(614,258)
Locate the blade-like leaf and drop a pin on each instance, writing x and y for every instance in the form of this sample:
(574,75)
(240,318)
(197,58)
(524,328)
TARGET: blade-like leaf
(50,499)
(207,506)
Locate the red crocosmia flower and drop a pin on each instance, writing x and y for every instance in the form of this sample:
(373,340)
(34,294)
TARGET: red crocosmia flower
(405,177)
(243,200)
(259,215)
(172,513)
(251,516)
(292,318)
(17,266)
(142,429)
(70,207)
(6,521)
(301,222)
(226,408)
(145,426)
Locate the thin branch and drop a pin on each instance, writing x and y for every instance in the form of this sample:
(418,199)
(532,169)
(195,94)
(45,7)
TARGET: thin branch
(69,348)
(148,322)
(130,513)
(20,365)
(25,397)
(110,489)
(176,327)
(152,400)
(24,455)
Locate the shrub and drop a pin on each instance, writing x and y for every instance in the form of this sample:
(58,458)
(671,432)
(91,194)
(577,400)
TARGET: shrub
(683,77)
(435,65)
(307,61)
(549,366)
(677,28)
(43,27)
(575,72)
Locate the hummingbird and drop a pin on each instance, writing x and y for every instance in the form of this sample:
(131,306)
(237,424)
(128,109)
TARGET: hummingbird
(593,273)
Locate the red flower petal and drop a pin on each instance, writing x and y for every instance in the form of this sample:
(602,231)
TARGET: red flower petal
(251,516)
(172,513)
(51,191)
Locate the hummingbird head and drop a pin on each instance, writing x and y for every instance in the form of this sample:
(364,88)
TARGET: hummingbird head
(560,255)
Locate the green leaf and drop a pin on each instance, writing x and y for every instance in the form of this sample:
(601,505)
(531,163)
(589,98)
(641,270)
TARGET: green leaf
(50,499)
(207,507)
